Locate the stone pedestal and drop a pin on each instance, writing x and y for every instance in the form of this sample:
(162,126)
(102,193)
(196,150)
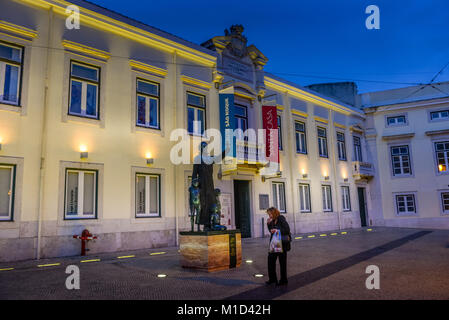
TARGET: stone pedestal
(211,250)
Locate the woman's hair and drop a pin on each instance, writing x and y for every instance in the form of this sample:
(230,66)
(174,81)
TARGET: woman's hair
(273,212)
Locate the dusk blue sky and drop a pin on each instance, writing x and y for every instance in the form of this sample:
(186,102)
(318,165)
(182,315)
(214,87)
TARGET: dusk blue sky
(317,41)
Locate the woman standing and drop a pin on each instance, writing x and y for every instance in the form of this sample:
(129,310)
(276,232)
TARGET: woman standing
(278,222)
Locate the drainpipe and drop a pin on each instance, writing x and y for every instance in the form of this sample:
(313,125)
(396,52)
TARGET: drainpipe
(175,167)
(44,135)
(334,165)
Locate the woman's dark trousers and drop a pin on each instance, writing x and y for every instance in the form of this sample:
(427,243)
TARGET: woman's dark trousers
(272,257)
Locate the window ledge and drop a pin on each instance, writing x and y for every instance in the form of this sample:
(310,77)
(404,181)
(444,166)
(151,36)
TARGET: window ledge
(10,107)
(81,119)
(398,136)
(437,132)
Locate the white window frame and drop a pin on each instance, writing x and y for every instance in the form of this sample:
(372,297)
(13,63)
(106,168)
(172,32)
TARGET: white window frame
(440,117)
(322,143)
(148,191)
(401,161)
(11,192)
(341,146)
(397,198)
(358,154)
(298,134)
(195,115)
(304,199)
(84,83)
(80,211)
(277,196)
(443,194)
(396,123)
(3,64)
(147,98)
(326,194)
(445,157)
(346,198)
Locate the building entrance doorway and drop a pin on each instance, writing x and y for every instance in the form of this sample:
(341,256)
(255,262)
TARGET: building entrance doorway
(362,206)
(242,207)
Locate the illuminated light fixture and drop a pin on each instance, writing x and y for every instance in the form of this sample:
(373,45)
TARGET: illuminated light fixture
(249,261)
(258,275)
(297,238)
(161,275)
(83,152)
(440,166)
(1,141)
(150,160)
(326,177)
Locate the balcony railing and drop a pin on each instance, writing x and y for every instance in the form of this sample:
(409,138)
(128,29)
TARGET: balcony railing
(362,170)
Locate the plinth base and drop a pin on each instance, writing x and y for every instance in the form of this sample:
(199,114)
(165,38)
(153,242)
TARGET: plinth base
(211,250)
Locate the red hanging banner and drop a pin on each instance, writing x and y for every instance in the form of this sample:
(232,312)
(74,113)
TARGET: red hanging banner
(270,125)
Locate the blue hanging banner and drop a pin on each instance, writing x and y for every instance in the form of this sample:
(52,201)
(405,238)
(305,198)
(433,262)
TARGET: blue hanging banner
(227,122)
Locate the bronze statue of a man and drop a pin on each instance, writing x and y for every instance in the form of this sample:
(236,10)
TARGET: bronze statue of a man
(203,169)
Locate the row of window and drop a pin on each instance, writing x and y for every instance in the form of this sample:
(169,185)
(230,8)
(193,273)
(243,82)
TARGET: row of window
(301,142)
(401,162)
(304,197)
(406,203)
(81,194)
(401,120)
(84,94)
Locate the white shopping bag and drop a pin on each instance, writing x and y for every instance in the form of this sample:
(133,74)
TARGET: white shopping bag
(276,242)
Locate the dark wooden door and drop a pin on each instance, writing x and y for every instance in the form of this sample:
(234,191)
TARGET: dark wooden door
(242,207)
(362,206)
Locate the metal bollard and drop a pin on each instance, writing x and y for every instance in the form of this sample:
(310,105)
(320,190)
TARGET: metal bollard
(263,229)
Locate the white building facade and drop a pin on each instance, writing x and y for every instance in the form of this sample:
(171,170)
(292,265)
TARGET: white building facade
(407,131)
(83,110)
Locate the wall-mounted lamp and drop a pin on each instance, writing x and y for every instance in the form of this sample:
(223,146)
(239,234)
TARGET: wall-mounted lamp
(345,179)
(326,177)
(304,175)
(1,141)
(83,152)
(150,160)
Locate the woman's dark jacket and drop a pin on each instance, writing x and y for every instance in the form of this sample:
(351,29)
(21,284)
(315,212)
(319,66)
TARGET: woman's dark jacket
(282,225)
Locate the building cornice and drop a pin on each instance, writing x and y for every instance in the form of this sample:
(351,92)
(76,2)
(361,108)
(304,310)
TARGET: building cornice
(108,24)
(78,47)
(16,30)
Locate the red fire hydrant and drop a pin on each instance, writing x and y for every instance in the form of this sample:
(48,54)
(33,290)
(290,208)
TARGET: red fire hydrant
(85,236)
